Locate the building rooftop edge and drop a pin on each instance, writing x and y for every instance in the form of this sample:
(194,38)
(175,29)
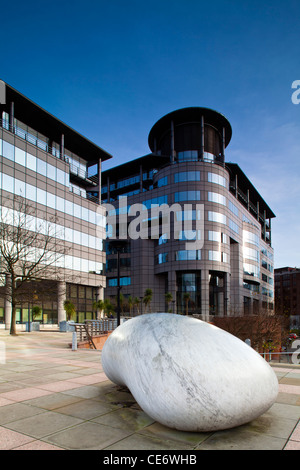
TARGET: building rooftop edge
(46,123)
(190,114)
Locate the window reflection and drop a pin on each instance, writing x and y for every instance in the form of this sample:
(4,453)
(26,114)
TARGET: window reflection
(216,197)
(217,179)
(187,196)
(187,176)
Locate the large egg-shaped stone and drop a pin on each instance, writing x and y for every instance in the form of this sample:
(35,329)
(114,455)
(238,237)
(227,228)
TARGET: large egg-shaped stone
(188,374)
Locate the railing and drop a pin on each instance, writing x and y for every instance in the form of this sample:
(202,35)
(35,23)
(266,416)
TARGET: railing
(287,357)
(44,145)
(86,331)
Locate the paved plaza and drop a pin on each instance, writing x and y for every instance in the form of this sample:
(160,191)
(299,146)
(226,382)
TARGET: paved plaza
(53,398)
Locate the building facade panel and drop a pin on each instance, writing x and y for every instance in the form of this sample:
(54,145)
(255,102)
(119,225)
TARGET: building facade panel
(205,195)
(48,177)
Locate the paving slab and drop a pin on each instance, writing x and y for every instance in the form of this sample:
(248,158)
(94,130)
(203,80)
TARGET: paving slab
(53,398)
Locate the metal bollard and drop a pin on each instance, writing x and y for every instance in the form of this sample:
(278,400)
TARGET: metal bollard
(74,341)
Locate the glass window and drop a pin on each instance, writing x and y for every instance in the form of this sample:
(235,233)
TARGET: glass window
(250,237)
(8,151)
(77,211)
(41,196)
(41,167)
(188,235)
(224,257)
(187,196)
(156,201)
(162,182)
(218,179)
(68,234)
(8,183)
(20,156)
(69,207)
(92,242)
(250,253)
(188,155)
(214,236)
(30,192)
(51,200)
(51,172)
(163,239)
(187,176)
(216,217)
(92,217)
(60,204)
(214,255)
(233,208)
(209,157)
(188,255)
(251,270)
(19,187)
(61,176)
(216,197)
(85,214)
(124,281)
(161,258)
(84,239)
(31,162)
(188,215)
(233,226)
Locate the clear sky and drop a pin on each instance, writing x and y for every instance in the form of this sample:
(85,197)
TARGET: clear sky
(111,69)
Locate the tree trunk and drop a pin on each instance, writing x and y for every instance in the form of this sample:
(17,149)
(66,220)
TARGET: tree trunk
(13,330)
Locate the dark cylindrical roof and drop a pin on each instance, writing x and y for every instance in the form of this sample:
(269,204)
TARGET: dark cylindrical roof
(190,115)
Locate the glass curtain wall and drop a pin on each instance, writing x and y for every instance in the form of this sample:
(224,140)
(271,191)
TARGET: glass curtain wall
(189,292)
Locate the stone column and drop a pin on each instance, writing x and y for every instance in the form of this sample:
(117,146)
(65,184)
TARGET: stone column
(100,296)
(7,303)
(172,289)
(205,294)
(61,297)
(227,295)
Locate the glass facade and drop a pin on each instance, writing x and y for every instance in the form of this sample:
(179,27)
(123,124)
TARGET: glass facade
(187,196)
(124,281)
(43,180)
(216,197)
(186,176)
(186,255)
(188,156)
(217,301)
(217,179)
(216,217)
(188,292)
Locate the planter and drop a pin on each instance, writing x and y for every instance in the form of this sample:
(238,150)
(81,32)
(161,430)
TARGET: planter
(66,326)
(33,326)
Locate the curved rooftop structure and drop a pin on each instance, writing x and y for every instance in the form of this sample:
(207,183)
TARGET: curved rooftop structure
(191,129)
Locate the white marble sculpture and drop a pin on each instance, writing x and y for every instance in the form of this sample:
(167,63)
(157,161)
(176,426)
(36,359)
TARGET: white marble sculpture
(188,374)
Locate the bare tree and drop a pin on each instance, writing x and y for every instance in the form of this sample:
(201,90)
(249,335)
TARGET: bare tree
(28,250)
(262,329)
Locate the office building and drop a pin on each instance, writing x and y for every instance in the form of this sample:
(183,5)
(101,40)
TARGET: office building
(230,270)
(54,170)
(287,294)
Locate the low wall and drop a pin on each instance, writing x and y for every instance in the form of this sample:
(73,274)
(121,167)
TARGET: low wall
(98,342)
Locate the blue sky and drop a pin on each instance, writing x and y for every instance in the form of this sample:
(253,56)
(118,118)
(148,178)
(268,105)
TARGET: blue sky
(111,69)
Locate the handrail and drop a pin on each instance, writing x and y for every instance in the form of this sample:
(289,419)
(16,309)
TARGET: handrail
(91,328)
(288,354)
